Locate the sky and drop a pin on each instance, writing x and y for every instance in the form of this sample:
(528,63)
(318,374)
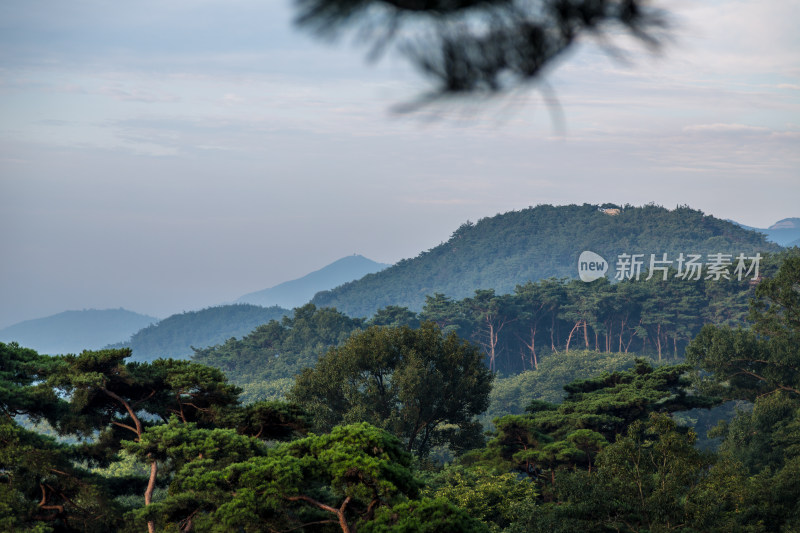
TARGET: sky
(169,156)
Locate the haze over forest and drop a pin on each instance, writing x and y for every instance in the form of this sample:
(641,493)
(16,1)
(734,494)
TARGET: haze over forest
(513,238)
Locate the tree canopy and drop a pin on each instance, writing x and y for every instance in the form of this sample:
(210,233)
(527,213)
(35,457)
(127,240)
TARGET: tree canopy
(168,446)
(419,384)
(480,46)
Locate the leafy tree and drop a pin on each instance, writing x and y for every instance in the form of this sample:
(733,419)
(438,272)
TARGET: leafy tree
(483,46)
(42,488)
(491,314)
(409,382)
(269,420)
(23,389)
(761,364)
(749,363)
(176,335)
(225,481)
(593,413)
(496,499)
(648,480)
(539,308)
(158,411)
(423,516)
(444,312)
(261,361)
(394,316)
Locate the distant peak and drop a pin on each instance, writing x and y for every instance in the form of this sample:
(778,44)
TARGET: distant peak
(786,223)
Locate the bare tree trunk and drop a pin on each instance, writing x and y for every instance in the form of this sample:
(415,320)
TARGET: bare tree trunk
(531,347)
(569,338)
(151,483)
(491,347)
(630,339)
(148,494)
(658,341)
(586,333)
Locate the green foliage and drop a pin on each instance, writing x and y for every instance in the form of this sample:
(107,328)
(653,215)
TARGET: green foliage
(42,489)
(227,482)
(593,413)
(749,363)
(516,332)
(512,394)
(423,516)
(269,420)
(537,243)
(394,316)
(279,350)
(22,387)
(653,479)
(496,499)
(177,335)
(167,445)
(410,382)
(645,481)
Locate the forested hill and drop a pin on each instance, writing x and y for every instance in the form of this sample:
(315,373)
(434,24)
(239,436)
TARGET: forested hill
(75,331)
(513,248)
(177,334)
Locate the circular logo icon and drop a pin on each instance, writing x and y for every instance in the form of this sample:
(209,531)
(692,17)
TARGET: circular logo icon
(591,266)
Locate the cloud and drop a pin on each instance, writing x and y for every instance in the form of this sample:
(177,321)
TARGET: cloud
(232,99)
(137,95)
(726,128)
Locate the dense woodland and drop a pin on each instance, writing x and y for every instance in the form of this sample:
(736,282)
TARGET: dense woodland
(498,253)
(515,332)
(553,405)
(169,446)
(537,243)
(175,336)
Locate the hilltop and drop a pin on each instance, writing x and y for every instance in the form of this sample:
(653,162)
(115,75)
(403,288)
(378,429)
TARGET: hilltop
(545,241)
(75,331)
(294,293)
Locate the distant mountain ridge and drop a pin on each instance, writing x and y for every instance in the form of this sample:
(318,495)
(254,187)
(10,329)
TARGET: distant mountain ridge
(75,331)
(177,334)
(785,232)
(294,293)
(513,248)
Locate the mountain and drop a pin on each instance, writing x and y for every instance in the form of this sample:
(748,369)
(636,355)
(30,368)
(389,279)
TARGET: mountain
(785,232)
(509,249)
(75,331)
(297,292)
(175,335)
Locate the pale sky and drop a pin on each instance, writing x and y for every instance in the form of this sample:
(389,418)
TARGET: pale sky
(168,156)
